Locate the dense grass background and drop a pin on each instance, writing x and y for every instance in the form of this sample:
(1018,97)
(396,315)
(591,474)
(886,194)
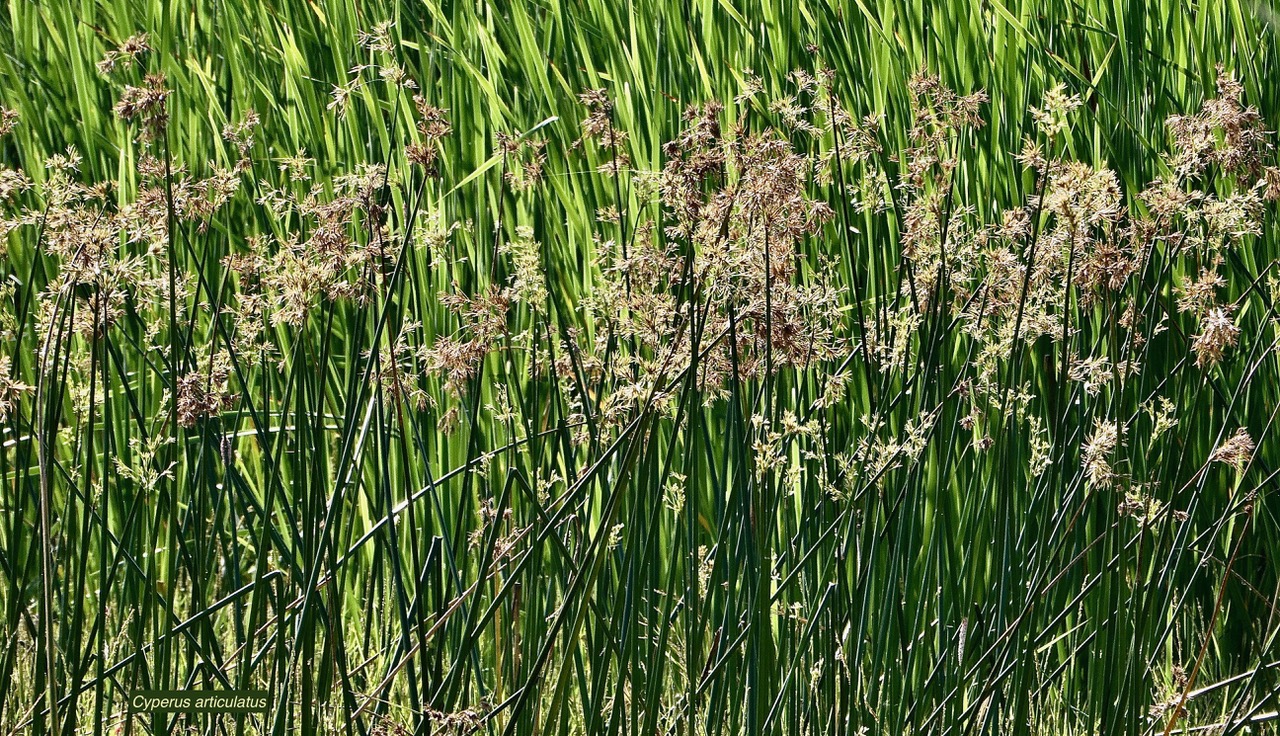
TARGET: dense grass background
(534,552)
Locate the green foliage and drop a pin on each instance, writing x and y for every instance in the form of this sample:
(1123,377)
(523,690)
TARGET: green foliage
(702,368)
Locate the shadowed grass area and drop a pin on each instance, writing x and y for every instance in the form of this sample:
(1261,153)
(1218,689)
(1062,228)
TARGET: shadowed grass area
(693,368)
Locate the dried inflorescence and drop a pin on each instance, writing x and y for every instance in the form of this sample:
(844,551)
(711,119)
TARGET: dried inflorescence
(1096,454)
(11,388)
(598,126)
(344,255)
(432,126)
(736,205)
(528,284)
(205,393)
(1077,244)
(837,357)
(8,120)
(127,53)
(240,134)
(1236,450)
(718,255)
(523,159)
(1225,133)
(383,66)
(745,234)
(1052,118)
(145,104)
(937,238)
(484,321)
(1218,332)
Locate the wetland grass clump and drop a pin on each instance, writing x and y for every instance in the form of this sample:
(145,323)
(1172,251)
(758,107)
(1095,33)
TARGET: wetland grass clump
(688,369)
